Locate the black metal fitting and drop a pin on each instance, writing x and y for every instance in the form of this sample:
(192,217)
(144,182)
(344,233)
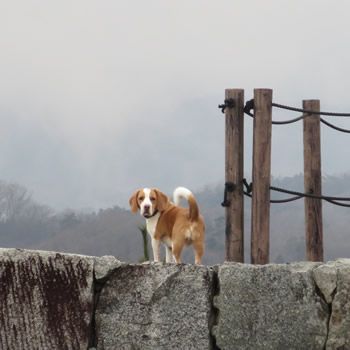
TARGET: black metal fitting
(248,187)
(228,103)
(229,187)
(249,105)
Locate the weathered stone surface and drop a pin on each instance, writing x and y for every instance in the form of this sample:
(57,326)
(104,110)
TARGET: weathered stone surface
(326,279)
(339,324)
(105,265)
(270,307)
(45,300)
(155,306)
(48,300)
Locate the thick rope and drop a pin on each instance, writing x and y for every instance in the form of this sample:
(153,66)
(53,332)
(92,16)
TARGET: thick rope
(250,105)
(306,111)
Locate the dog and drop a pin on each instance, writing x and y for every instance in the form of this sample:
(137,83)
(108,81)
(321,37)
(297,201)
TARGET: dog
(169,223)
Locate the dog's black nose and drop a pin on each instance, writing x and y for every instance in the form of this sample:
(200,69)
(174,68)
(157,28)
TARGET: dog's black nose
(146,207)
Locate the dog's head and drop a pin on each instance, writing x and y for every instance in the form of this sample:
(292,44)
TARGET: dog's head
(149,201)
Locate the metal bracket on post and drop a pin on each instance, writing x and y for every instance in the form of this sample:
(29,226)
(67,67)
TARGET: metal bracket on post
(228,103)
(229,187)
(249,105)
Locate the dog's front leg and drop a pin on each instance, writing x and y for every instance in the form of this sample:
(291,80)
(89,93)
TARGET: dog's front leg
(156,249)
(168,255)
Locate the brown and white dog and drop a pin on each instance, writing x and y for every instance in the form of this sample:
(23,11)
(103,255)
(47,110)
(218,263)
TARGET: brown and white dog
(169,223)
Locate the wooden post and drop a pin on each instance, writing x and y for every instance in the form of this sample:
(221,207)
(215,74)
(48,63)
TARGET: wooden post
(234,116)
(260,234)
(313,182)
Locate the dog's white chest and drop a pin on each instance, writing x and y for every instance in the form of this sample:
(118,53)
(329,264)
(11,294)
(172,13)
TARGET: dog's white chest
(151,224)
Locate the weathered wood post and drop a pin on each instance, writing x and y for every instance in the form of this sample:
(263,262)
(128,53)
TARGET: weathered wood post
(313,182)
(260,233)
(234,232)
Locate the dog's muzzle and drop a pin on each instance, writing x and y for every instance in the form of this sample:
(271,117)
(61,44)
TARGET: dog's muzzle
(147,214)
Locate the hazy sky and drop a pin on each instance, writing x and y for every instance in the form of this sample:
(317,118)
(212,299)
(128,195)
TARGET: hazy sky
(99,98)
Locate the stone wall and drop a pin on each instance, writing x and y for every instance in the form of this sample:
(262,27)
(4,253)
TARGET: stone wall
(52,301)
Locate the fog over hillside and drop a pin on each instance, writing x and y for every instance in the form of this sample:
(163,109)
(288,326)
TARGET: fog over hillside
(25,223)
(98,98)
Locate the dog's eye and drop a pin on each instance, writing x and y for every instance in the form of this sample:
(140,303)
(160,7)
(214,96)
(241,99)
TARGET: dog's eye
(141,199)
(152,199)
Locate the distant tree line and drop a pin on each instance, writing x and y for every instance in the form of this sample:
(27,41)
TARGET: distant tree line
(25,223)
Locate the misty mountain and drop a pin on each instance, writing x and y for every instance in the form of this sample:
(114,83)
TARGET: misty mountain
(24,223)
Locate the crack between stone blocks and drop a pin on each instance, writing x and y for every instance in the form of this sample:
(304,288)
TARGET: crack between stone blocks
(329,312)
(97,287)
(214,311)
(330,306)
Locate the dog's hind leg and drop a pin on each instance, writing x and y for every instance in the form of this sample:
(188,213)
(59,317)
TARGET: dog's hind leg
(168,254)
(198,247)
(177,249)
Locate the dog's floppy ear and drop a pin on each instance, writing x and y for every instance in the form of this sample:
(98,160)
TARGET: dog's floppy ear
(133,202)
(162,200)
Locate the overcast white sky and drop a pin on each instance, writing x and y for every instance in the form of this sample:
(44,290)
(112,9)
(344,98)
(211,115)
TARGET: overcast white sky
(99,98)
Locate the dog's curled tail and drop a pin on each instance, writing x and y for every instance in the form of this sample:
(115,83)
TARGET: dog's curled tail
(182,192)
